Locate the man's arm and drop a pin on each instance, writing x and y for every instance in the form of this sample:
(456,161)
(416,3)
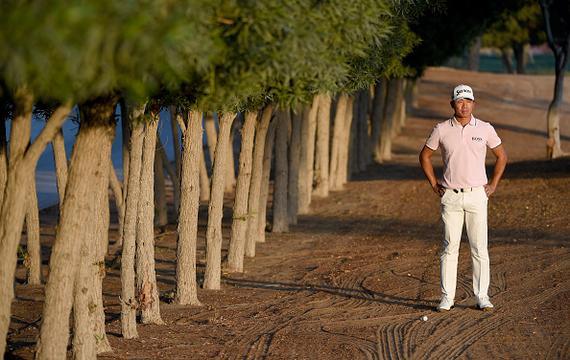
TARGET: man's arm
(427,167)
(500,164)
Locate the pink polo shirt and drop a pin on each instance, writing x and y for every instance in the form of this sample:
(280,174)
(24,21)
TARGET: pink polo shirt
(463,150)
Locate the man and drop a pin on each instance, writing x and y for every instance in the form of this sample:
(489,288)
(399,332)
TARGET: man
(464,191)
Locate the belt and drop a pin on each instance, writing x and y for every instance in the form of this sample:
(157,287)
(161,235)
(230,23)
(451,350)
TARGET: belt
(457,191)
(463,190)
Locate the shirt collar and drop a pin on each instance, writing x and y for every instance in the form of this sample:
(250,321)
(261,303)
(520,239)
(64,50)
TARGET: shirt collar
(472,122)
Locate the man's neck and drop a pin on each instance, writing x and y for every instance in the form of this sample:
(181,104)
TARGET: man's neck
(463,120)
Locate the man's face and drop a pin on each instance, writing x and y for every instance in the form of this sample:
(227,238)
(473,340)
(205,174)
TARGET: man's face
(463,107)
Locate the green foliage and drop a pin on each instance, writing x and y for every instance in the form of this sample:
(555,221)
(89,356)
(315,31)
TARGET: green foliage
(447,31)
(523,26)
(81,49)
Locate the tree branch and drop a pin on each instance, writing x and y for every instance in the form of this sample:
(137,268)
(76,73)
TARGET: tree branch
(53,125)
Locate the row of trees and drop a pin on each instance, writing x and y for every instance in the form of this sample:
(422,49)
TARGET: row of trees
(319,89)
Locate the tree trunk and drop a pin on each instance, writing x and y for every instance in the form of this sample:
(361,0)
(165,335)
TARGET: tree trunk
(34,248)
(402,105)
(173,174)
(89,336)
(176,141)
(411,94)
(345,142)
(255,189)
(78,212)
(211,138)
(240,211)
(267,160)
(117,190)
(204,179)
(126,138)
(397,115)
(559,43)
(192,159)
(21,165)
(129,304)
(388,120)
(230,180)
(280,218)
(3,158)
(363,137)
(506,57)
(60,160)
(553,146)
(353,138)
(473,56)
(322,147)
(161,211)
(378,105)
(146,276)
(306,163)
(520,56)
(294,161)
(212,276)
(337,142)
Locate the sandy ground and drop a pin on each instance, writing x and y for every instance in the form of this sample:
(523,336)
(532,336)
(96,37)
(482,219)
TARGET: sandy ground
(353,278)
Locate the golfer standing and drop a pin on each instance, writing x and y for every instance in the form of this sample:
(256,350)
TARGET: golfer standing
(464,191)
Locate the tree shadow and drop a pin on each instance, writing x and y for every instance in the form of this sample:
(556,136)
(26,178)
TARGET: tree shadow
(360,294)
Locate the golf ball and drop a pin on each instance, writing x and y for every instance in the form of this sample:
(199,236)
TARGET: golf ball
(424,318)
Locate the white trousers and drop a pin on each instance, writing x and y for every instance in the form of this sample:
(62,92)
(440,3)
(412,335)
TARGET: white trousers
(469,208)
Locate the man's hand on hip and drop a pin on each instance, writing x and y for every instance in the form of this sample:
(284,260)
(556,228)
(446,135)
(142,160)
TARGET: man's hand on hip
(438,189)
(489,189)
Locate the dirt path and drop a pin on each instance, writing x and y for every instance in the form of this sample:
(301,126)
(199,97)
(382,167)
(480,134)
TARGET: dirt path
(354,278)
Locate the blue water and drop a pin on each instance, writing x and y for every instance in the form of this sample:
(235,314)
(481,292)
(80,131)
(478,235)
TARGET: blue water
(45,171)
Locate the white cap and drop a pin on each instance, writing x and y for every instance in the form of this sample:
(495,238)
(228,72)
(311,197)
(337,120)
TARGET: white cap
(462,92)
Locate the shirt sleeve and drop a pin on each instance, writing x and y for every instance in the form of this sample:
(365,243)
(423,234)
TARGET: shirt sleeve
(493,140)
(432,141)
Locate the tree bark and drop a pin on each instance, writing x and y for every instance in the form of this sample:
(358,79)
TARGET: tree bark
(306,163)
(559,44)
(240,211)
(126,138)
(3,158)
(161,211)
(337,143)
(322,147)
(280,188)
(230,180)
(173,174)
(21,164)
(129,303)
(345,142)
(117,190)
(89,336)
(147,289)
(378,104)
(473,55)
(211,138)
(204,179)
(353,138)
(34,248)
(363,137)
(520,56)
(95,134)
(396,121)
(506,57)
(176,140)
(255,189)
(388,121)
(192,158)
(294,162)
(60,160)
(267,160)
(212,275)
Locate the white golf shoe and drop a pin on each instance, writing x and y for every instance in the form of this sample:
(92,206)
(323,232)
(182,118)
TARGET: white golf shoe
(485,305)
(445,305)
